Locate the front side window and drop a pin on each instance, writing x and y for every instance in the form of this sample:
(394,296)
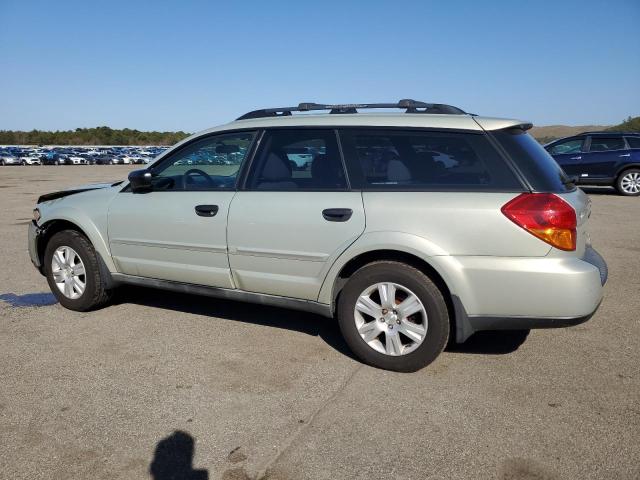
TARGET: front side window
(211,163)
(568,146)
(387,159)
(298,159)
(603,144)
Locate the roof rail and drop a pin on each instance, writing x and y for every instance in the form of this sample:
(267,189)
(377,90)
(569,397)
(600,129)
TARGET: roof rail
(410,106)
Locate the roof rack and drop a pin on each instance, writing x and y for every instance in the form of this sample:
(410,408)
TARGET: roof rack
(411,106)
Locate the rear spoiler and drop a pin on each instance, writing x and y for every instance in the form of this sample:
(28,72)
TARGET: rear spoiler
(487,123)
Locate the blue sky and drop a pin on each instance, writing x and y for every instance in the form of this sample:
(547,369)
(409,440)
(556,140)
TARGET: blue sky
(189,65)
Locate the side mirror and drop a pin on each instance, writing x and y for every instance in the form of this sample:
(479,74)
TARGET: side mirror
(140,181)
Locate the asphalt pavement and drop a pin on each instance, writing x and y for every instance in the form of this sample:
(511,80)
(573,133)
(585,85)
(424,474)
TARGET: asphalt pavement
(162,385)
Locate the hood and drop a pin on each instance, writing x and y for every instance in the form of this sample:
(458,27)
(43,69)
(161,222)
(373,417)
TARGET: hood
(73,190)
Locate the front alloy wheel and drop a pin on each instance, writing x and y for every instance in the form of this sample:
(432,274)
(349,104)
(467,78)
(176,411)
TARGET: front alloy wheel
(72,268)
(68,272)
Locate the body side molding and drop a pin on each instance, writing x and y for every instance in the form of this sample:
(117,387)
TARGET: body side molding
(226,293)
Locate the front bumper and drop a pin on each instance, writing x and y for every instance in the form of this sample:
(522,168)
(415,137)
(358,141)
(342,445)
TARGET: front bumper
(33,237)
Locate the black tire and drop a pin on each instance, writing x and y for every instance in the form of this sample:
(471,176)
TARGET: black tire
(2,162)
(94,294)
(422,286)
(622,175)
(23,163)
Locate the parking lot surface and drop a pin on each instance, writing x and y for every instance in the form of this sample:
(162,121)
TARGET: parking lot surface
(162,385)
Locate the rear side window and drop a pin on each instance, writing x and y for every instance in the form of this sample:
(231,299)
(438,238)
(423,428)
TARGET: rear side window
(634,142)
(603,144)
(298,159)
(535,163)
(425,160)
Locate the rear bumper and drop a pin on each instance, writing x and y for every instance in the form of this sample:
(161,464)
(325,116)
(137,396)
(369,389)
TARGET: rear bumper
(526,293)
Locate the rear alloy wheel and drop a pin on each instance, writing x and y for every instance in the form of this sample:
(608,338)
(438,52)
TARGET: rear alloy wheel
(72,269)
(628,182)
(393,316)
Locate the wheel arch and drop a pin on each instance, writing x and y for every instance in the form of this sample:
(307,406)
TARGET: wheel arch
(625,167)
(349,263)
(57,223)
(392,255)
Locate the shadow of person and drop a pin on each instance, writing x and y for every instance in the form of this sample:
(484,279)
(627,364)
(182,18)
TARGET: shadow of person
(173,459)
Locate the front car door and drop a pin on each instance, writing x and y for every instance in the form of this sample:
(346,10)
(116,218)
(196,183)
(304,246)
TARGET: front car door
(294,216)
(568,154)
(604,154)
(177,231)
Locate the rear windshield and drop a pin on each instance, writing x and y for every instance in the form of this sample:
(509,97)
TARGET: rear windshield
(535,163)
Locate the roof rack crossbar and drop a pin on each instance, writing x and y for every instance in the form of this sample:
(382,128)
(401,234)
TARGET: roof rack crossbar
(410,106)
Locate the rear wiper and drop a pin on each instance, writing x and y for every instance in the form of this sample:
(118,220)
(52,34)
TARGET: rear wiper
(566,180)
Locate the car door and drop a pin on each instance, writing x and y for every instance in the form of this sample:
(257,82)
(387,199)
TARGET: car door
(177,231)
(604,154)
(568,154)
(293,218)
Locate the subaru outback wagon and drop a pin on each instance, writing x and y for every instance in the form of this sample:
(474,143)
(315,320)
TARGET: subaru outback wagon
(410,226)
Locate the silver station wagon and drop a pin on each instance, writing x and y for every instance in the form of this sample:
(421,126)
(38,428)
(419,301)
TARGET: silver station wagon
(411,227)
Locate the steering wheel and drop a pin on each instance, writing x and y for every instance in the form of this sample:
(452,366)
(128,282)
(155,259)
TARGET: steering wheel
(197,171)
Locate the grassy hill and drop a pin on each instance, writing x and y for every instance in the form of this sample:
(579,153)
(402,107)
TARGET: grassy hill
(549,133)
(546,134)
(631,124)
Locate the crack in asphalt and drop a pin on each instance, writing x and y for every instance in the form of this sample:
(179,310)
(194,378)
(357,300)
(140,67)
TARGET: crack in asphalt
(284,446)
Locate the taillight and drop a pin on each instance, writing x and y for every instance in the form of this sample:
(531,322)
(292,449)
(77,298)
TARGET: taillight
(546,216)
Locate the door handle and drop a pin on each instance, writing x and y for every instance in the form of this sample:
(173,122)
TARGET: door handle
(206,210)
(625,155)
(337,214)
(576,158)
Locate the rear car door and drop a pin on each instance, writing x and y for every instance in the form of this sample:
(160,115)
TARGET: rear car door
(568,154)
(295,215)
(604,154)
(178,231)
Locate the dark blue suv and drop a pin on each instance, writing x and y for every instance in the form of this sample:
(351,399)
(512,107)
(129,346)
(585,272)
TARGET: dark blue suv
(601,158)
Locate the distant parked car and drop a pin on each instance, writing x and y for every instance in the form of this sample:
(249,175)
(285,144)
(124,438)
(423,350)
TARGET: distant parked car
(103,159)
(30,159)
(77,160)
(54,158)
(9,159)
(137,159)
(601,158)
(121,160)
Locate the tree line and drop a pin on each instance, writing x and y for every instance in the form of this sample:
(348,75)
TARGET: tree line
(90,136)
(127,136)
